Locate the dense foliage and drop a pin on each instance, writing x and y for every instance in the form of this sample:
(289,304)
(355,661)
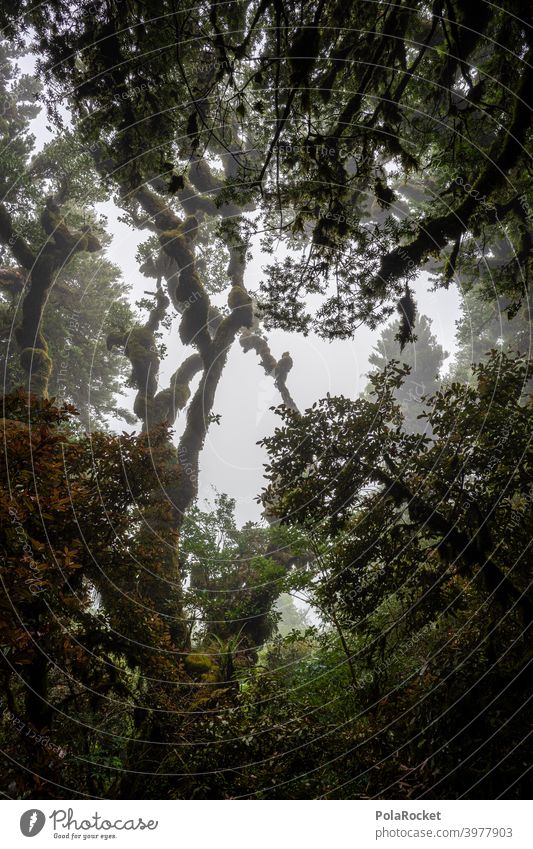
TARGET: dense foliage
(422,547)
(371,636)
(78,293)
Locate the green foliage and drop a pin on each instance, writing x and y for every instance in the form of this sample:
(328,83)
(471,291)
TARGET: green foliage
(395,142)
(88,298)
(86,293)
(144,636)
(489,321)
(424,357)
(419,547)
(70,585)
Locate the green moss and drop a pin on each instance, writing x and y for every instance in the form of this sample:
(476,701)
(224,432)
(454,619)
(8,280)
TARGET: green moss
(240,304)
(169,236)
(193,321)
(189,285)
(198,664)
(38,364)
(181,394)
(142,337)
(176,245)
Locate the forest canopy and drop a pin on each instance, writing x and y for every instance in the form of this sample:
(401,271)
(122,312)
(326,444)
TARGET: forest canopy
(286,170)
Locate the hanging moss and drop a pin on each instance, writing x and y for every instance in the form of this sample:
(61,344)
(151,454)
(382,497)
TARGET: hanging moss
(144,360)
(240,303)
(303,53)
(194,320)
(116,339)
(283,366)
(407,310)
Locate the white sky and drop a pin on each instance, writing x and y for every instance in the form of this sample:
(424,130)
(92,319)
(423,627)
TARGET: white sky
(232,462)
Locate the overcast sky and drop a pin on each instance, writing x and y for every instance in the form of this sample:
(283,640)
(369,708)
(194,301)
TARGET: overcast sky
(232,462)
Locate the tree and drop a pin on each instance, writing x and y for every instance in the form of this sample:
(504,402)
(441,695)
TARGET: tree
(424,357)
(370,253)
(86,294)
(214,161)
(83,641)
(346,134)
(490,323)
(423,545)
(88,299)
(236,576)
(326,148)
(41,226)
(292,618)
(211,331)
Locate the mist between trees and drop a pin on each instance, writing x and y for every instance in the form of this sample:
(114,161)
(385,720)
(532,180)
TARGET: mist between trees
(285,171)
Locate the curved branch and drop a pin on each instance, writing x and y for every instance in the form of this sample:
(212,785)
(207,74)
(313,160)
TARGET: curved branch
(469,551)
(278,369)
(14,241)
